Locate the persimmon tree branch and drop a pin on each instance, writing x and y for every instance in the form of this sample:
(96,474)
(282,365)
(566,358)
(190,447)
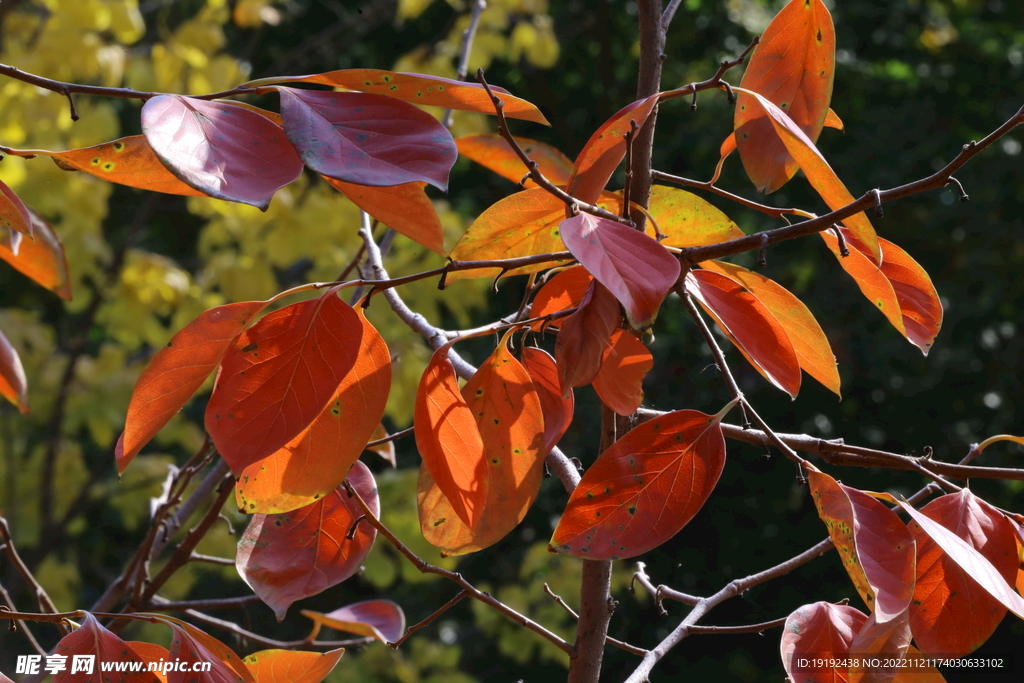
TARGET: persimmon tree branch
(614,642)
(464,52)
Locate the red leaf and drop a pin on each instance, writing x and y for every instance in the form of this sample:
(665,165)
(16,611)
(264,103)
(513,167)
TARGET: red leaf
(313,463)
(404,208)
(634,267)
(870,279)
(919,302)
(748,323)
(620,381)
(41,258)
(952,614)
(563,291)
(605,150)
(644,488)
(819,631)
(557,405)
(91,638)
(150,653)
(291,666)
(418,89)
(224,151)
(380,619)
(492,151)
(177,371)
(793,67)
(190,645)
(874,545)
(13,383)
(809,342)
(583,337)
(14,215)
(367,139)
(884,642)
(290,556)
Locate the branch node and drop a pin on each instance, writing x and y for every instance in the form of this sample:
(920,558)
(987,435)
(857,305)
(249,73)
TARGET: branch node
(71,103)
(879,213)
(355,525)
(762,260)
(960,188)
(731,94)
(693,103)
(844,251)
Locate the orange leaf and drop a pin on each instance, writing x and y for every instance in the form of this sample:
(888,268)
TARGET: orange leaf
(560,293)
(191,646)
(809,342)
(14,215)
(41,258)
(385,450)
(952,614)
(870,279)
(418,89)
(620,381)
(832,120)
(688,220)
(502,397)
(793,66)
(177,371)
(314,462)
(820,631)
(644,488)
(154,655)
(13,383)
(886,642)
(493,152)
(290,666)
(290,556)
(819,174)
(875,546)
(557,405)
(919,302)
(448,439)
(750,325)
(91,638)
(605,149)
(278,376)
(404,208)
(380,619)
(583,337)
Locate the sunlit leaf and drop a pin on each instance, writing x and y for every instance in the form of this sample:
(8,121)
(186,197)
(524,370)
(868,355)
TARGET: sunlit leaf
(13,383)
(821,631)
(884,643)
(919,303)
(278,375)
(292,666)
(91,638)
(583,337)
(289,556)
(221,150)
(688,220)
(40,257)
(793,66)
(557,405)
(404,208)
(385,450)
(873,283)
(177,371)
(151,653)
(637,270)
(560,293)
(804,332)
(626,362)
(644,488)
(418,89)
(14,215)
(493,152)
(190,645)
(380,619)
(750,325)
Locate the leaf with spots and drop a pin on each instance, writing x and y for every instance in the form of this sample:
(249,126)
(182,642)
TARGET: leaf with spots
(191,646)
(584,336)
(507,409)
(291,666)
(637,270)
(290,556)
(793,66)
(819,631)
(404,208)
(278,376)
(493,152)
(379,619)
(625,363)
(558,406)
(40,257)
(605,150)
(561,292)
(14,215)
(951,613)
(177,371)
(875,546)
(367,139)
(418,89)
(809,341)
(13,383)
(919,302)
(750,325)
(91,638)
(221,150)
(314,462)
(688,220)
(644,488)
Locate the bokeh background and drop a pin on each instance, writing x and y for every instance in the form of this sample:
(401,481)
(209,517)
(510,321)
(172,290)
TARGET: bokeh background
(915,79)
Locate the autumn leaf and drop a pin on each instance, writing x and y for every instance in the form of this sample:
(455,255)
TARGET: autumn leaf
(561,292)
(403,208)
(221,150)
(619,383)
(637,270)
(492,151)
(278,376)
(919,303)
(292,666)
(557,405)
(793,66)
(153,656)
(91,638)
(583,337)
(177,371)
(367,139)
(689,221)
(382,620)
(748,323)
(385,450)
(293,555)
(316,460)
(13,383)
(644,488)
(40,257)
(870,279)
(819,631)
(884,643)
(191,646)
(419,89)
(14,215)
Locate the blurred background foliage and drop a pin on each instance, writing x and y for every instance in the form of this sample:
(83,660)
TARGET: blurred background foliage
(915,79)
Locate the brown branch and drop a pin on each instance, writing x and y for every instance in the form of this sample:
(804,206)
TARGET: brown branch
(211,559)
(162,605)
(43,601)
(434,615)
(390,437)
(10,607)
(464,52)
(662,591)
(622,645)
(749,628)
(772,211)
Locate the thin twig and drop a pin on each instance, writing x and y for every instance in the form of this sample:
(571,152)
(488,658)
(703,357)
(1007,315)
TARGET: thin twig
(622,645)
(163,605)
(43,601)
(434,615)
